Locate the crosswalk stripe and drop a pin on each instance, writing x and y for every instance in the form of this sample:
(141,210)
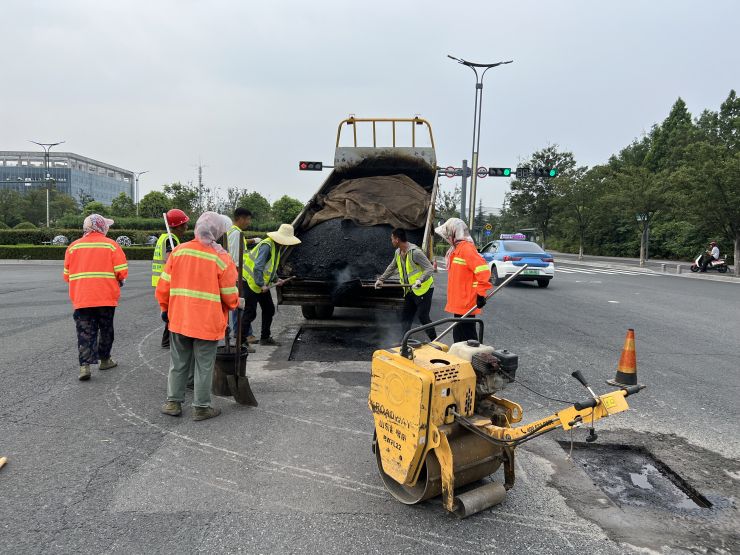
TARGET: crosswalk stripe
(607,271)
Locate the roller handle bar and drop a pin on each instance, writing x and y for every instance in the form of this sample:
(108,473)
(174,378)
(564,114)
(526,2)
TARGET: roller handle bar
(406,352)
(580,377)
(631,390)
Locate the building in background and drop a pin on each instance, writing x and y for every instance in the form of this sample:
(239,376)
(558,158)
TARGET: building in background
(25,170)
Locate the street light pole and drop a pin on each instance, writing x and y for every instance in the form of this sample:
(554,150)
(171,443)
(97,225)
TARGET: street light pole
(47,179)
(476,129)
(137,174)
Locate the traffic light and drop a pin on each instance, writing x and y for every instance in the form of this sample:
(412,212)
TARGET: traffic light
(522,173)
(310,166)
(545,172)
(499,172)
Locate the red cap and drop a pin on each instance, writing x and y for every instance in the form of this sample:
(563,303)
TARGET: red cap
(176,217)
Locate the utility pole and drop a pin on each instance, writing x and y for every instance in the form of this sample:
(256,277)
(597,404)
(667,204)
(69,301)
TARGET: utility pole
(476,130)
(463,189)
(47,178)
(137,174)
(200,183)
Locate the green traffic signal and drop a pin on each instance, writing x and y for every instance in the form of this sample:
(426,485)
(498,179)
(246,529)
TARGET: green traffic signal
(553,172)
(507,172)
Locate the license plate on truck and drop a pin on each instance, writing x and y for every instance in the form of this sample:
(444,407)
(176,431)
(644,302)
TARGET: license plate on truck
(531,272)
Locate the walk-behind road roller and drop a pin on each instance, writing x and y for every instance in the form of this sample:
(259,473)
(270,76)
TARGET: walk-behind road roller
(439,423)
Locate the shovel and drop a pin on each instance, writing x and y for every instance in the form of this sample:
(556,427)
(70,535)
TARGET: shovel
(238,382)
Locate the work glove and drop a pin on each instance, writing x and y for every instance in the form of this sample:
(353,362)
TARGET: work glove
(417,284)
(165,319)
(257,240)
(241,303)
(480,302)
(378,284)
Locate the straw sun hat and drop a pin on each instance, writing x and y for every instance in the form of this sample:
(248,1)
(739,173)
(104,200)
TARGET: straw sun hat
(285,235)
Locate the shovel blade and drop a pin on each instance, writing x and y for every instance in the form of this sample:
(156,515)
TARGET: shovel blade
(241,391)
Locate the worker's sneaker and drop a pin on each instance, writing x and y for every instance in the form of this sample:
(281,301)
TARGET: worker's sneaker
(249,348)
(270,342)
(84,373)
(107,364)
(172,408)
(206,413)
(252,339)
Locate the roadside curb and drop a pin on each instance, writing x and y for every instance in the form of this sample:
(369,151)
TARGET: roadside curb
(617,266)
(61,262)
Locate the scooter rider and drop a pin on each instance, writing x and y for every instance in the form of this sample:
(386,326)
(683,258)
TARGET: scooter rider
(709,256)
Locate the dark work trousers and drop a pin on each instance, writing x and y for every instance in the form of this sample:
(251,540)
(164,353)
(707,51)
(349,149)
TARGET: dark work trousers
(707,259)
(166,337)
(463,332)
(251,300)
(89,322)
(420,305)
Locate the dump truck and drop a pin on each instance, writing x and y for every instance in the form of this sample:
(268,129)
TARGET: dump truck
(345,226)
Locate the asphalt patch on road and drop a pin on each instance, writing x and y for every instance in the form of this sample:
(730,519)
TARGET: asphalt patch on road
(636,487)
(336,344)
(348,379)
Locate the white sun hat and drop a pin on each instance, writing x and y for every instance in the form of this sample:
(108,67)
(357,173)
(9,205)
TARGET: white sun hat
(284,236)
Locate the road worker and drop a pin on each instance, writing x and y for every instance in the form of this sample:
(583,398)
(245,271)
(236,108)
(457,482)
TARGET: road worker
(96,269)
(242,217)
(178,222)
(468,276)
(260,271)
(414,269)
(196,292)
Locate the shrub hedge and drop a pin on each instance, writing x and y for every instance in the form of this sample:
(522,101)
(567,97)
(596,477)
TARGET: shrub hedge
(25,225)
(70,221)
(3,225)
(38,236)
(45,252)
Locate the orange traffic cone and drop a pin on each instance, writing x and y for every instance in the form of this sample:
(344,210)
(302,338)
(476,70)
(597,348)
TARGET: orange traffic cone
(627,369)
(435,264)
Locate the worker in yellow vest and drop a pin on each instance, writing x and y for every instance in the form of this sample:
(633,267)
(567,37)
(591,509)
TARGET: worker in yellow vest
(414,269)
(242,218)
(260,270)
(178,222)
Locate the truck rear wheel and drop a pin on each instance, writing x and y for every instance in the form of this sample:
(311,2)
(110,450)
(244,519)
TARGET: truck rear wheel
(324,312)
(308,311)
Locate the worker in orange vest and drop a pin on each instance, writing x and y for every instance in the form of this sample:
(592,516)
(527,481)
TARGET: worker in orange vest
(196,292)
(95,268)
(468,276)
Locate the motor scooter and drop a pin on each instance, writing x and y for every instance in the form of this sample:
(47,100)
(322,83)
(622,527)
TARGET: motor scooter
(720,265)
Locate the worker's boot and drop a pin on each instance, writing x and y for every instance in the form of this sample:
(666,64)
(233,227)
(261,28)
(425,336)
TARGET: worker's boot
(205,413)
(84,372)
(269,342)
(107,364)
(252,339)
(249,348)
(172,408)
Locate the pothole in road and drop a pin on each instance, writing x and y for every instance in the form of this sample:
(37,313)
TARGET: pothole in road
(336,344)
(634,477)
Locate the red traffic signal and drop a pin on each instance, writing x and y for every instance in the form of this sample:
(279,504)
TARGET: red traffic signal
(310,166)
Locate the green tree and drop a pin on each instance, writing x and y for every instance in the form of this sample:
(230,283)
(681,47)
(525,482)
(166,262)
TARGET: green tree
(669,140)
(61,205)
(447,204)
(83,199)
(258,205)
(96,208)
(233,198)
(722,128)
(285,210)
(11,206)
(123,206)
(712,184)
(580,200)
(35,205)
(640,192)
(535,198)
(185,197)
(154,204)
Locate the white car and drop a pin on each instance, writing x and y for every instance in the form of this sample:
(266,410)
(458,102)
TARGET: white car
(505,257)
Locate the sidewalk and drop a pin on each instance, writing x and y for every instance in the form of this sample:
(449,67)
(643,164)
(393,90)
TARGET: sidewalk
(651,265)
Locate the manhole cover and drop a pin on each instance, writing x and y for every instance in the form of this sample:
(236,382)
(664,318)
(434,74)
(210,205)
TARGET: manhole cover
(335,344)
(634,477)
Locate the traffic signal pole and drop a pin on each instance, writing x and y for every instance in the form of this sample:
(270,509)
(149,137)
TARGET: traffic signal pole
(463,189)
(476,133)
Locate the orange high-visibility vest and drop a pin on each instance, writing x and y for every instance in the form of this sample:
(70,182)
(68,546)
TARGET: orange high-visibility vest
(197,291)
(92,266)
(468,276)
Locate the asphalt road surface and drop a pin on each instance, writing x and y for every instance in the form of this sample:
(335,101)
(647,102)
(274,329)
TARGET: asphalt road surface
(94,467)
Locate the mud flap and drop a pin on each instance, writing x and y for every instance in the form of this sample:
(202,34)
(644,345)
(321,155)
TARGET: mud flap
(444,456)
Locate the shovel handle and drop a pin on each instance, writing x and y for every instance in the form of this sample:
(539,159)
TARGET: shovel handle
(391,285)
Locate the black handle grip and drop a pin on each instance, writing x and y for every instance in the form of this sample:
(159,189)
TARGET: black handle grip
(577,375)
(406,352)
(631,390)
(585,404)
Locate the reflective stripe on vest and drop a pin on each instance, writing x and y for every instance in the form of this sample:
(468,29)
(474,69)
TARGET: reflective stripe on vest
(413,272)
(270,268)
(158,258)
